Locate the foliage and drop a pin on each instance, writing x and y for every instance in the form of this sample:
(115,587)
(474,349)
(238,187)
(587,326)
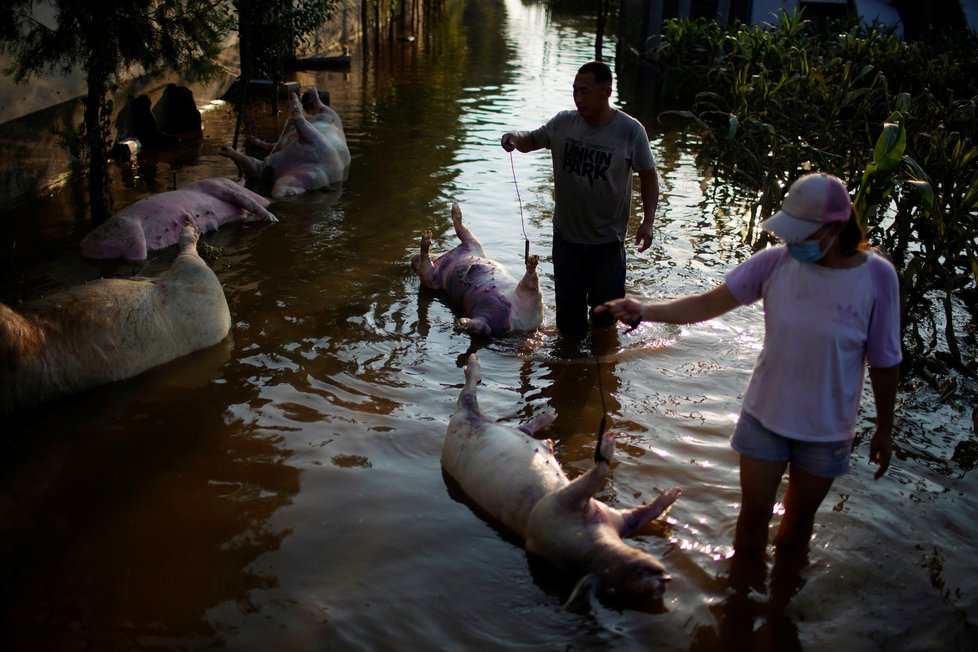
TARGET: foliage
(108,40)
(897,120)
(116,34)
(271,30)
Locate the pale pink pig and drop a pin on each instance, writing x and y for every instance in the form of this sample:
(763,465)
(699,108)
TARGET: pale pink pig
(156,222)
(109,330)
(311,154)
(516,479)
(491,300)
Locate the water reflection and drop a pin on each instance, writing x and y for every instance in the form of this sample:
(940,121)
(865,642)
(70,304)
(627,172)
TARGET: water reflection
(114,512)
(576,377)
(284,491)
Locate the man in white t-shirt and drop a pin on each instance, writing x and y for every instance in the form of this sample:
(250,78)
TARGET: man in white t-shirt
(595,150)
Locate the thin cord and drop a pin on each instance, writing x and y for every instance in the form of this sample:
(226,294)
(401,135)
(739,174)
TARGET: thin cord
(288,121)
(598,457)
(526,240)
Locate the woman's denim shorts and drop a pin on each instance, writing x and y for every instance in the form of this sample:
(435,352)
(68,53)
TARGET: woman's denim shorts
(823,459)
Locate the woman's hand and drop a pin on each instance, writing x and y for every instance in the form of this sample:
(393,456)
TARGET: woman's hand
(630,311)
(880,450)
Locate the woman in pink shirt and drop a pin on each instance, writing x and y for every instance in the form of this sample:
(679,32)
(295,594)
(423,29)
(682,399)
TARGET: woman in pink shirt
(831,306)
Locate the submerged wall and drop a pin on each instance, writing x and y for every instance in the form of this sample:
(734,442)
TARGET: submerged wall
(31,113)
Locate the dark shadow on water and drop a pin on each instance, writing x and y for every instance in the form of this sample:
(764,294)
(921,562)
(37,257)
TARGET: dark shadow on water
(310,206)
(753,616)
(456,493)
(579,382)
(127,505)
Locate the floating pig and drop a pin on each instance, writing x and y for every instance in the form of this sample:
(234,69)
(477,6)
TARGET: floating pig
(492,301)
(155,222)
(109,329)
(310,155)
(517,480)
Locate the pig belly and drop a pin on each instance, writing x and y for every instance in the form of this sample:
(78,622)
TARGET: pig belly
(155,223)
(318,164)
(503,470)
(482,288)
(115,330)
(117,237)
(162,216)
(108,330)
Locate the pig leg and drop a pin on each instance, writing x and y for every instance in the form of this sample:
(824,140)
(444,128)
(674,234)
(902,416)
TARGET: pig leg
(633,519)
(313,101)
(424,265)
(248,165)
(578,492)
(188,238)
(474,325)
(463,233)
(232,196)
(467,397)
(256,210)
(263,145)
(303,128)
(530,281)
(540,422)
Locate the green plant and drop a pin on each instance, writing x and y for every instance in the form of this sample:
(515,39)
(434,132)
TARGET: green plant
(107,39)
(773,103)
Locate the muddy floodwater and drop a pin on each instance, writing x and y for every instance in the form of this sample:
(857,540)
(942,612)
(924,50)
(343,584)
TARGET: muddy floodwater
(283,491)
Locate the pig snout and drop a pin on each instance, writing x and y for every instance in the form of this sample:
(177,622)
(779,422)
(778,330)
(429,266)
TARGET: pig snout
(640,577)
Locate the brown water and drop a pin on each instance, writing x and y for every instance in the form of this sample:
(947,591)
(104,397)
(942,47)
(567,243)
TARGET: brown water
(283,491)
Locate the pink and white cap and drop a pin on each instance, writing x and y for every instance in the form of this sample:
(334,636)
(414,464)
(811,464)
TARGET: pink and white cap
(812,201)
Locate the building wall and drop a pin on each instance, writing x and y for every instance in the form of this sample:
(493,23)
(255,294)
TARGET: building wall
(32,158)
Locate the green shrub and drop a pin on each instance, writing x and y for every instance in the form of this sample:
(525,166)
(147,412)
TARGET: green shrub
(898,121)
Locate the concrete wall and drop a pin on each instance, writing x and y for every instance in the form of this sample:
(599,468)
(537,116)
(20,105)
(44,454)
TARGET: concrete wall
(32,159)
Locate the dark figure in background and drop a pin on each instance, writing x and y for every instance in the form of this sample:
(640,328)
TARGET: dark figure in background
(136,120)
(594,148)
(176,111)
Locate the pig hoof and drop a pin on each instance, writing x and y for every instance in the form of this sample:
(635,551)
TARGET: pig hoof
(188,236)
(532,262)
(473,369)
(425,242)
(607,447)
(475,326)
(456,214)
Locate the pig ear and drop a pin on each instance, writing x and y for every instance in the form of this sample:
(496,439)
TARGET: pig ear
(584,591)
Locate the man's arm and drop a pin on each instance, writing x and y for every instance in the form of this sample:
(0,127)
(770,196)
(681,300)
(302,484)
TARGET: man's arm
(519,140)
(649,188)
